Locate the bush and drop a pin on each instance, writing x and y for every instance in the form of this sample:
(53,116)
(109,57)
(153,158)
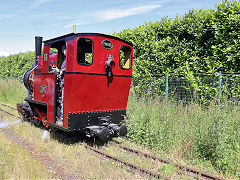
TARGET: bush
(204,41)
(16,65)
(189,131)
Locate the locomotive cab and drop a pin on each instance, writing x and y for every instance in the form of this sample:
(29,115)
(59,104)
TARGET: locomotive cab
(96,84)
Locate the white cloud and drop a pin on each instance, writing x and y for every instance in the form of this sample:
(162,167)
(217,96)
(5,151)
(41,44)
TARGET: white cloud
(2,53)
(107,15)
(120,13)
(38,2)
(6,16)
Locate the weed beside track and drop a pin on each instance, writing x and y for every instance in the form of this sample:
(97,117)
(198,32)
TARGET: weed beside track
(56,171)
(59,160)
(206,136)
(59,171)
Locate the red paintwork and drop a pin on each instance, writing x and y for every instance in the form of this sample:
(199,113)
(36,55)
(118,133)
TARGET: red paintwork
(49,81)
(41,61)
(31,80)
(53,60)
(99,57)
(86,92)
(45,62)
(42,117)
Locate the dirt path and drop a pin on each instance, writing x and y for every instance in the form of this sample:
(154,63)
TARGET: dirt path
(57,171)
(60,160)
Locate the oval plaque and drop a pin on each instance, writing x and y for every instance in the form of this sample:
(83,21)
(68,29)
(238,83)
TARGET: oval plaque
(107,44)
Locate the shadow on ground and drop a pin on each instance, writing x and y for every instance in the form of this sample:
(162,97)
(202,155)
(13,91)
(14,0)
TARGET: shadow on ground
(74,138)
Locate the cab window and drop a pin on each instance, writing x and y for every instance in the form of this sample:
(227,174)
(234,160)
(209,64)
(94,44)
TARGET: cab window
(56,56)
(84,51)
(125,57)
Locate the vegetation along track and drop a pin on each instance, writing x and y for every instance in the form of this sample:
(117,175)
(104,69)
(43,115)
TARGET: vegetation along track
(182,168)
(192,171)
(58,171)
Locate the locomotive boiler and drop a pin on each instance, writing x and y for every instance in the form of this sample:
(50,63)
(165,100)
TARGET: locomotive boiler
(96,84)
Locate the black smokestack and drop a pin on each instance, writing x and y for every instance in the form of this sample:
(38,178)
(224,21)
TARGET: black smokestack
(38,47)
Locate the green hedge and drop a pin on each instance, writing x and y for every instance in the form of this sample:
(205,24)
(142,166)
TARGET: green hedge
(204,41)
(199,41)
(16,65)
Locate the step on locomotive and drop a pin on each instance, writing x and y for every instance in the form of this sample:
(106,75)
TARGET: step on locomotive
(96,80)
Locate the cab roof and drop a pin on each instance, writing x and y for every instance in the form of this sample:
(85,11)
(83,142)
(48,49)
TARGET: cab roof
(71,36)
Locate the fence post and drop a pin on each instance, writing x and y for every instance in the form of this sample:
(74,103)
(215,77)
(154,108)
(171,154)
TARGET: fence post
(166,87)
(219,87)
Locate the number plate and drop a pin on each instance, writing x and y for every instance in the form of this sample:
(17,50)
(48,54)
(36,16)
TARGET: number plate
(43,89)
(45,57)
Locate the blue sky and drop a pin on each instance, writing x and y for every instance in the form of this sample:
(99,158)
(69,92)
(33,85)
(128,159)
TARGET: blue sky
(22,20)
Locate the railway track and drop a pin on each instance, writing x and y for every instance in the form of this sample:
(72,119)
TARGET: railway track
(4,111)
(6,105)
(179,166)
(132,166)
(185,170)
(194,173)
(57,172)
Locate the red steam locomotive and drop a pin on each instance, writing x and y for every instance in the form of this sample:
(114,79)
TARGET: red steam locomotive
(96,84)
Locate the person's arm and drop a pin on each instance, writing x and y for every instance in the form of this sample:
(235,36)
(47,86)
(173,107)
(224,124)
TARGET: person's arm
(55,69)
(63,67)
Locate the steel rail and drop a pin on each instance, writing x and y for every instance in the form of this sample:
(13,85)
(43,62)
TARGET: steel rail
(9,113)
(180,166)
(6,105)
(130,165)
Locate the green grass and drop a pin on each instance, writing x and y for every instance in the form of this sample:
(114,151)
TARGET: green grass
(155,166)
(75,158)
(167,169)
(16,162)
(12,91)
(208,135)
(1,165)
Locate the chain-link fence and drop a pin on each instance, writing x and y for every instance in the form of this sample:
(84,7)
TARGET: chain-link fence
(190,87)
